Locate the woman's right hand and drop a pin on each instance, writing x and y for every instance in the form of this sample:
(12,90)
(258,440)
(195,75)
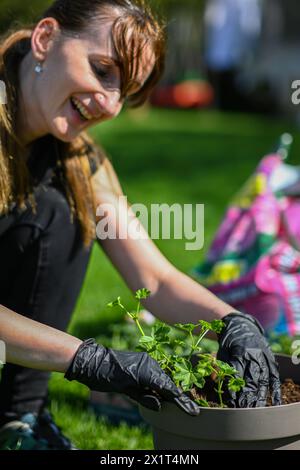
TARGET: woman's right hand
(135,374)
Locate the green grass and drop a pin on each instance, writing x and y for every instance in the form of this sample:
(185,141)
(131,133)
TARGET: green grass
(160,156)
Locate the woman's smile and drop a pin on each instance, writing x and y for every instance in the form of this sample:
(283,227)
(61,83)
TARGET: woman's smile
(77,118)
(81,109)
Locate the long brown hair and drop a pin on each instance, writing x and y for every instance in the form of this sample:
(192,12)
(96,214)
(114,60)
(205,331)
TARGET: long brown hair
(134,27)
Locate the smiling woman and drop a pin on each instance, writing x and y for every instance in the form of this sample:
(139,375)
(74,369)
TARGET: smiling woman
(73,69)
(89,58)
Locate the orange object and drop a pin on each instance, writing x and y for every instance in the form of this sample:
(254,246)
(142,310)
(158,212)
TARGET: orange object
(185,95)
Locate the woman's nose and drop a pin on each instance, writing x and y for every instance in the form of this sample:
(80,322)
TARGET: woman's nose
(108,103)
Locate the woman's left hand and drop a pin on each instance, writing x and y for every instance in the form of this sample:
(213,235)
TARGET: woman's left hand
(244,346)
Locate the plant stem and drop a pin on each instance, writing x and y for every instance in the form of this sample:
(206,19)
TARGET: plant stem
(125,310)
(167,358)
(169,369)
(139,327)
(136,319)
(195,346)
(201,337)
(220,392)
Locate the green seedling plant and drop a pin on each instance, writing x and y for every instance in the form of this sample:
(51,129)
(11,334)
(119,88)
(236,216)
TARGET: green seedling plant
(226,372)
(168,352)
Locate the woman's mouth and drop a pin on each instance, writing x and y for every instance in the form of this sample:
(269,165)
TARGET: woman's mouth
(81,110)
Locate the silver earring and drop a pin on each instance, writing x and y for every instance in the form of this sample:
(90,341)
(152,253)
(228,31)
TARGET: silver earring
(39,68)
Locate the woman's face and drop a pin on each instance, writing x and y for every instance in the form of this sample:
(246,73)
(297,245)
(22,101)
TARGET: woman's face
(80,83)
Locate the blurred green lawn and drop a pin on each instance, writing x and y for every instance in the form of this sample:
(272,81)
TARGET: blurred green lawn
(161,157)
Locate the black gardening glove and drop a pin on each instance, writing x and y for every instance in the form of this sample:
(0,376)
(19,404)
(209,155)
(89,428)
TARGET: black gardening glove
(244,346)
(135,374)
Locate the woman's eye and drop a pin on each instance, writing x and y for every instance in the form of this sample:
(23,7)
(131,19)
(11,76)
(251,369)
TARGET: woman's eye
(109,78)
(100,72)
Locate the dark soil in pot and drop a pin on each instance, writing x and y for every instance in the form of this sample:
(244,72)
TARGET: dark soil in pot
(289,389)
(268,428)
(290,392)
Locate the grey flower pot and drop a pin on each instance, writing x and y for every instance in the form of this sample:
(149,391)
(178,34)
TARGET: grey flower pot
(233,429)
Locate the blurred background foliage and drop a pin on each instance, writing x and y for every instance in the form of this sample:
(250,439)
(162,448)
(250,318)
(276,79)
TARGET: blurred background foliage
(20,11)
(17,12)
(261,77)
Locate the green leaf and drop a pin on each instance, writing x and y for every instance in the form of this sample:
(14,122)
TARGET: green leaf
(205,325)
(207,358)
(115,303)
(159,346)
(186,384)
(158,356)
(142,348)
(178,342)
(182,363)
(235,384)
(226,369)
(175,358)
(202,402)
(182,366)
(189,327)
(142,294)
(161,327)
(206,361)
(146,339)
(198,381)
(217,326)
(185,376)
(160,332)
(204,369)
(163,364)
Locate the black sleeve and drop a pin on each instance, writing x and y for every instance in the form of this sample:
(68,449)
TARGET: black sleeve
(7,221)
